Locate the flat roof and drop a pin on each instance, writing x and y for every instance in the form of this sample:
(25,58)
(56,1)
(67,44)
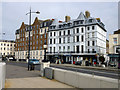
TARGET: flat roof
(7,41)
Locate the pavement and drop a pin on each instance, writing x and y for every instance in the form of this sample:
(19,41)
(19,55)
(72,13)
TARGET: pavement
(19,77)
(34,82)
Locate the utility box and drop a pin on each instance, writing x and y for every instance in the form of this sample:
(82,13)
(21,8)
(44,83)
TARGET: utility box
(2,74)
(49,73)
(43,66)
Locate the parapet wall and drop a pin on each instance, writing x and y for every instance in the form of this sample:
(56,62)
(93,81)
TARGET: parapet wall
(81,80)
(2,74)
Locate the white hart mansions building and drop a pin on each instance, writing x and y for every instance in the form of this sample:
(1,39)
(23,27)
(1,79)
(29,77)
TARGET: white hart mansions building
(79,39)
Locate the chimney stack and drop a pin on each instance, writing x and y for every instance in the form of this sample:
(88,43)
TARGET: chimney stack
(67,18)
(87,14)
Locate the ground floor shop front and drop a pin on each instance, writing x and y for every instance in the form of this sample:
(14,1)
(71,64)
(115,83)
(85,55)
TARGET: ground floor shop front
(71,59)
(114,60)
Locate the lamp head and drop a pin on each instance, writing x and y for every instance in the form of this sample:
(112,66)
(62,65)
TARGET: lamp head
(38,12)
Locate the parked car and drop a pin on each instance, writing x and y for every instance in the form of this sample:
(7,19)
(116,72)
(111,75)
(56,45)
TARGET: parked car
(87,63)
(78,62)
(33,62)
(69,62)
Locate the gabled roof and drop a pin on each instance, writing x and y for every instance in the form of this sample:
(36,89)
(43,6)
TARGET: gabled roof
(81,16)
(40,21)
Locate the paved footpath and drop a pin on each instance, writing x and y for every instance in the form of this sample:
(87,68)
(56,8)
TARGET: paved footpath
(19,77)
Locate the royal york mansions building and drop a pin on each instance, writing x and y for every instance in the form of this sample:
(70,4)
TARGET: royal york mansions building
(38,37)
(83,38)
(7,48)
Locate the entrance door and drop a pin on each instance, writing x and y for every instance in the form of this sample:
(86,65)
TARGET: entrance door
(64,59)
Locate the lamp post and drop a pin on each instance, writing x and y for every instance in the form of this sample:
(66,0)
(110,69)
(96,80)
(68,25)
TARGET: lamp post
(98,53)
(45,47)
(58,56)
(37,12)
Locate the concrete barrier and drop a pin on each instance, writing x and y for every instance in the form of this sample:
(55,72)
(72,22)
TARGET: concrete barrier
(81,80)
(2,74)
(42,67)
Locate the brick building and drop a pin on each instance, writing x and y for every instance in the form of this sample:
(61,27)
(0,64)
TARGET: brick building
(38,37)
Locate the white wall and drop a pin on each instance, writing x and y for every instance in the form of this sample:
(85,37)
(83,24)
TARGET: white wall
(2,75)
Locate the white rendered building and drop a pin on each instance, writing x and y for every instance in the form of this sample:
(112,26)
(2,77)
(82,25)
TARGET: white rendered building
(79,39)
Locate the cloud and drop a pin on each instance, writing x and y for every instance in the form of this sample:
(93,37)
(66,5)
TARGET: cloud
(14,13)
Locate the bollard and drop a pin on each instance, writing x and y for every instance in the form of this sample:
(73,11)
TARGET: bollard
(42,67)
(2,74)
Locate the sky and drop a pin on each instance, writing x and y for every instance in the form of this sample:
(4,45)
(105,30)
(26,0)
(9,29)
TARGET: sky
(14,13)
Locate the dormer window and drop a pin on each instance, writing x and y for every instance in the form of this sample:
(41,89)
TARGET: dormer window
(53,27)
(50,27)
(90,20)
(44,23)
(60,26)
(69,24)
(40,25)
(65,25)
(81,22)
(77,22)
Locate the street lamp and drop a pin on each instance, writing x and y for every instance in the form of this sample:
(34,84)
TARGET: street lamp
(98,53)
(45,47)
(37,12)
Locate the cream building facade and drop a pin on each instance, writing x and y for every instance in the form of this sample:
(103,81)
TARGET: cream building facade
(7,47)
(114,45)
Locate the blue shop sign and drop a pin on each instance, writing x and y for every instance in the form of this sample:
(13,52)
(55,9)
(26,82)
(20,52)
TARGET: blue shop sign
(114,55)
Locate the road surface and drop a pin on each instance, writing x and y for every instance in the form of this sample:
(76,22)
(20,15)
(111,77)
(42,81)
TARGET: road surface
(104,73)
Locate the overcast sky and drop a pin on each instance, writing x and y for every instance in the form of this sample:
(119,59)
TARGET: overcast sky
(14,13)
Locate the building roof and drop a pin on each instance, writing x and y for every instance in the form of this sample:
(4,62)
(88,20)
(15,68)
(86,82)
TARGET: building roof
(117,32)
(81,20)
(7,41)
(42,23)
(81,16)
